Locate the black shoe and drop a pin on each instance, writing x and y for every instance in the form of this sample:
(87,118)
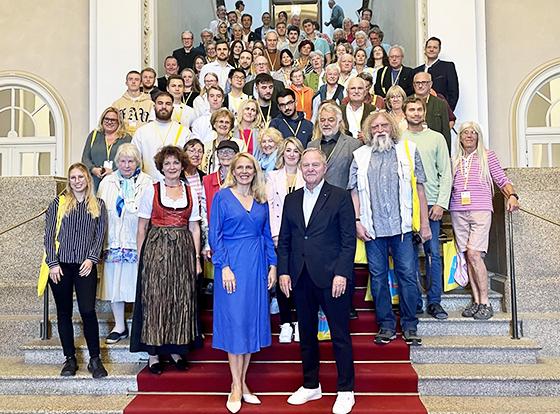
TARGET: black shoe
(419,310)
(435,310)
(96,368)
(70,367)
(181,364)
(156,368)
(385,336)
(353,314)
(115,337)
(412,338)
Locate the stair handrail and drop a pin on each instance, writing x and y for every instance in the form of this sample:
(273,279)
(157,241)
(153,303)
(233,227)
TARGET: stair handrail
(513,286)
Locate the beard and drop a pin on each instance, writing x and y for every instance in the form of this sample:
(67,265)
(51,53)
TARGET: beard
(163,115)
(382,142)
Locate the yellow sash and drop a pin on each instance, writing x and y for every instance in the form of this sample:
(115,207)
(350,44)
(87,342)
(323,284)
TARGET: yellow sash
(415,198)
(44,272)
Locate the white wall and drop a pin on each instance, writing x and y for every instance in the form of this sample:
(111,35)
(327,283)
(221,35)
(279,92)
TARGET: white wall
(461,26)
(115,49)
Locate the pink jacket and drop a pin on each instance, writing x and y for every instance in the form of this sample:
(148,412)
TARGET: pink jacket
(276,192)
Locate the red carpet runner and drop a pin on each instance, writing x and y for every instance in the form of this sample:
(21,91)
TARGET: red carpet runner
(276,370)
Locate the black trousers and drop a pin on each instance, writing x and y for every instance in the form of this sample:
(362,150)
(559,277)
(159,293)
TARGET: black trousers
(308,298)
(285,306)
(63,292)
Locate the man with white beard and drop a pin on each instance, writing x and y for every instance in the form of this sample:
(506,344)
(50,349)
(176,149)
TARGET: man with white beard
(381,189)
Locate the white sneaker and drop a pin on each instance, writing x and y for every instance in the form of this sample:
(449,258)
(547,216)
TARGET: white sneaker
(286,332)
(296,332)
(344,402)
(274,309)
(303,395)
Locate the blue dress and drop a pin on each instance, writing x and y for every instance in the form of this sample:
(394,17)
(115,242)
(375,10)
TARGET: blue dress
(241,240)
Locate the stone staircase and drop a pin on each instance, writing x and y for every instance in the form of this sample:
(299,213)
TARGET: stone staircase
(464,366)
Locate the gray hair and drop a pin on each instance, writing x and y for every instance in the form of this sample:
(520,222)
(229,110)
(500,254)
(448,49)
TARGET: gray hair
(316,53)
(322,155)
(129,150)
(397,47)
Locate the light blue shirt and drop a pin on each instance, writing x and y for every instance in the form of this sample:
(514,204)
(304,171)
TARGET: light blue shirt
(310,198)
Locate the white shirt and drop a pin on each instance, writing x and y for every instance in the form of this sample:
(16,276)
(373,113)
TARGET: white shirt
(147,202)
(217,68)
(183,114)
(202,129)
(310,198)
(201,105)
(354,119)
(151,137)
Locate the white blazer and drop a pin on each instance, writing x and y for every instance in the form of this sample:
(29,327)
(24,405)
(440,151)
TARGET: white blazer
(276,193)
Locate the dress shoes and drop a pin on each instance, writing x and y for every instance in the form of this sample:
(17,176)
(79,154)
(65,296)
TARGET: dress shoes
(70,367)
(303,395)
(344,402)
(251,399)
(181,364)
(233,406)
(96,368)
(156,368)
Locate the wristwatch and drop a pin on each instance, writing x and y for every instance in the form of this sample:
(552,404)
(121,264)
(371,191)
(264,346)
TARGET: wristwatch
(514,195)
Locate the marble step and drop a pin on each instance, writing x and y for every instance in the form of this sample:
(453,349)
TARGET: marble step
(520,380)
(475,350)
(17,330)
(61,404)
(527,301)
(17,377)
(491,405)
(499,325)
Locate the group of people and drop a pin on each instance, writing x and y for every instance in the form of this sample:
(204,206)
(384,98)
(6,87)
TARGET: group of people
(265,178)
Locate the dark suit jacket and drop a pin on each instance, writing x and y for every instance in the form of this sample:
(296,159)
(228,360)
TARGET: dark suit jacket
(368,109)
(445,80)
(278,86)
(384,81)
(162,83)
(437,118)
(326,246)
(259,33)
(186,60)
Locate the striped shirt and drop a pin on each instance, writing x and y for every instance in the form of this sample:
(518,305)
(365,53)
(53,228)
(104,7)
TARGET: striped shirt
(80,236)
(480,191)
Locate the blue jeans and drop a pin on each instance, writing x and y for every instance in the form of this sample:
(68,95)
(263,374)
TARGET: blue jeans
(434,275)
(401,248)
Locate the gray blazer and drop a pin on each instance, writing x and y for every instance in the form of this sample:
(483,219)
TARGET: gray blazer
(338,164)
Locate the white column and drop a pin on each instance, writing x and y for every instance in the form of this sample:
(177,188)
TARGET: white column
(115,49)
(461,26)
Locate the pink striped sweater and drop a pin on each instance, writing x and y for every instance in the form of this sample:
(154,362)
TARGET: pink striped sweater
(480,191)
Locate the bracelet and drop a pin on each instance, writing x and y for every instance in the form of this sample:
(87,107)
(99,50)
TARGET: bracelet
(357,219)
(514,195)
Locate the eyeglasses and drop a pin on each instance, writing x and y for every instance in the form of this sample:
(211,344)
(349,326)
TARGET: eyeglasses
(285,104)
(110,120)
(226,151)
(238,77)
(421,83)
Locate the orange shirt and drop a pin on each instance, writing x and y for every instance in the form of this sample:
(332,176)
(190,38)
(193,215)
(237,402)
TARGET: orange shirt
(304,100)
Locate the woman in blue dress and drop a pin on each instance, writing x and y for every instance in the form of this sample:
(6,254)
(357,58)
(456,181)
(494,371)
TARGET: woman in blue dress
(245,269)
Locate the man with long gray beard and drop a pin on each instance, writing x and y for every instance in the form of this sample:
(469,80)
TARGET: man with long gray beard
(382,193)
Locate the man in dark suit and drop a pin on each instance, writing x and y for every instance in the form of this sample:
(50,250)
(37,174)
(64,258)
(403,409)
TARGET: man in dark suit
(185,55)
(437,116)
(356,111)
(316,248)
(394,74)
(262,30)
(444,74)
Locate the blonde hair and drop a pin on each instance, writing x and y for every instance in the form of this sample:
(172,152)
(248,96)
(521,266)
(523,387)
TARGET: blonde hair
(257,123)
(282,148)
(395,130)
(481,152)
(258,186)
(92,203)
(272,133)
(121,131)
(333,108)
(129,150)
(395,90)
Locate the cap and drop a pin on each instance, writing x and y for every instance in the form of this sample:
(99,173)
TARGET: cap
(228,144)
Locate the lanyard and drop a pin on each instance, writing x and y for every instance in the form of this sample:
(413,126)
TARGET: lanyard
(466,169)
(108,148)
(185,101)
(396,80)
(267,118)
(248,140)
(291,129)
(163,139)
(332,152)
(292,185)
(270,61)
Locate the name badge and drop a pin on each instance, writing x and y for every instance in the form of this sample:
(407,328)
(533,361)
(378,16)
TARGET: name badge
(465,198)
(108,165)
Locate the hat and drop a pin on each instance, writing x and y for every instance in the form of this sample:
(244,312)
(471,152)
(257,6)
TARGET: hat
(228,144)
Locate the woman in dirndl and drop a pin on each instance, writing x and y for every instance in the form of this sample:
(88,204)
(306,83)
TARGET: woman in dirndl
(165,312)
